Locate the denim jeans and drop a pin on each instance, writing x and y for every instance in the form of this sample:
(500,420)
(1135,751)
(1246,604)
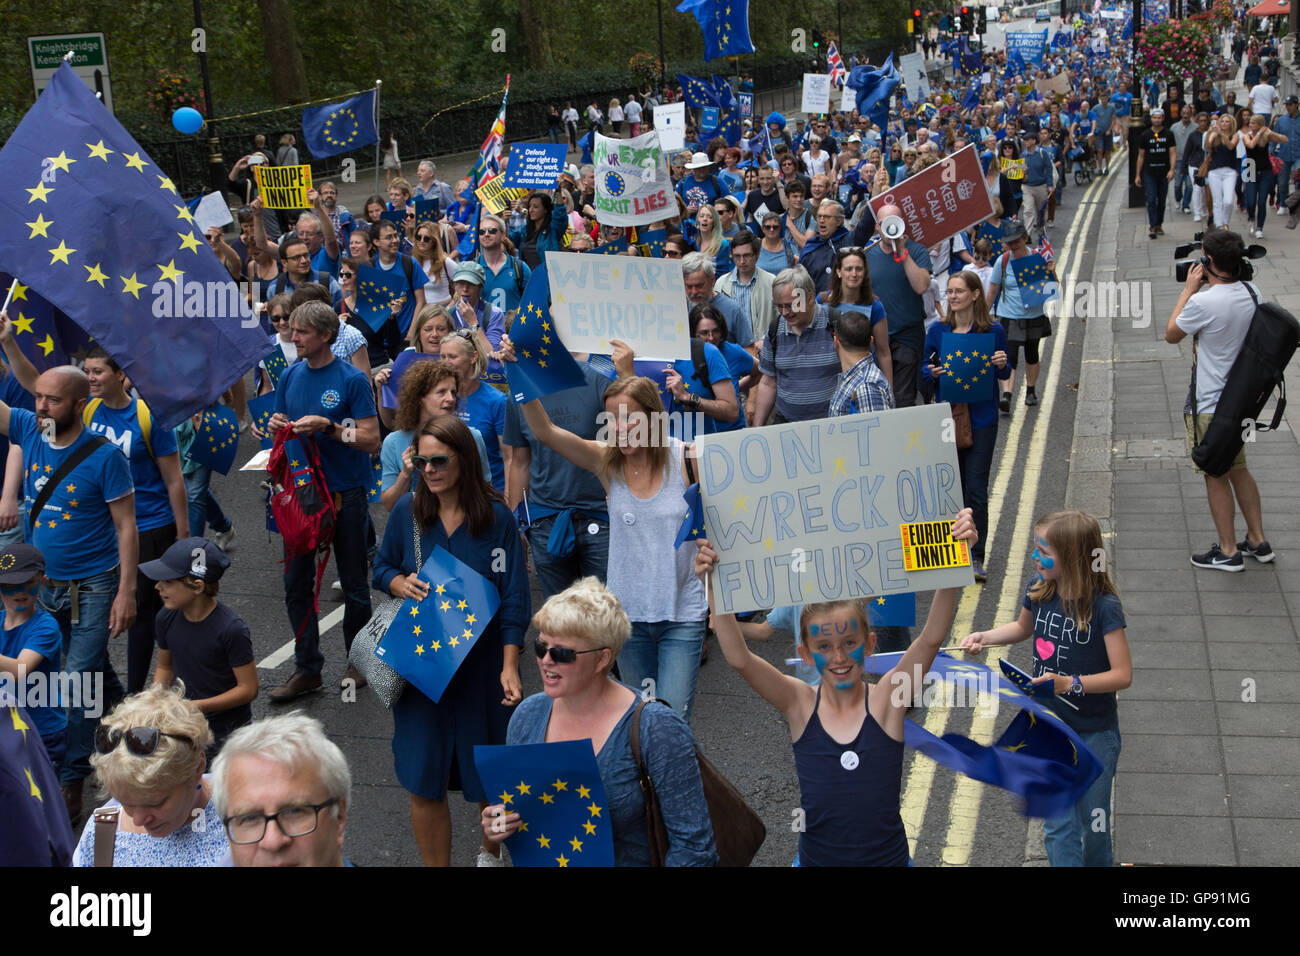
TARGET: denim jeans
(975,463)
(1256,195)
(668,653)
(1073,839)
(85,645)
(15,534)
(204,509)
(590,555)
(349,549)
(1183,188)
(1284,182)
(1156,186)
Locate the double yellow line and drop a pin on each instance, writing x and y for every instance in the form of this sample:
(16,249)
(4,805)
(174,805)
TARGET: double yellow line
(963,807)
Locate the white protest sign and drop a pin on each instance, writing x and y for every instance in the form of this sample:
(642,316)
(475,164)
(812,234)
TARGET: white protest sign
(848,100)
(596,299)
(633,187)
(212,211)
(828,509)
(912,66)
(670,124)
(816,93)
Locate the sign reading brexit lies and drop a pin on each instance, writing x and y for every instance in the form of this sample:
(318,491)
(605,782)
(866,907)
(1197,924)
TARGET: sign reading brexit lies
(834,509)
(942,200)
(633,187)
(596,299)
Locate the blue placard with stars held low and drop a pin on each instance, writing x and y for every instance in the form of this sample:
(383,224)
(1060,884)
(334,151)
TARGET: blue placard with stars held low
(967,362)
(216,440)
(260,410)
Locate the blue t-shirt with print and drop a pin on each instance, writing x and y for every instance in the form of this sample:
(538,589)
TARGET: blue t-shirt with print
(121,426)
(39,633)
(341,392)
(417,282)
(75,528)
(485,409)
(1061,648)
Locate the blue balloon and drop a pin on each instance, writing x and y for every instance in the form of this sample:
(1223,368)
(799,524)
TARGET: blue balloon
(187,119)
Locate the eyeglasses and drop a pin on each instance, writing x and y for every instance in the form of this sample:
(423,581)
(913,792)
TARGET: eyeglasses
(490,232)
(559,655)
(299,255)
(141,741)
(772,224)
(277,319)
(438,463)
(298,820)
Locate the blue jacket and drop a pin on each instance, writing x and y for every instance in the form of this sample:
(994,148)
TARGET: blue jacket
(550,240)
(1290,128)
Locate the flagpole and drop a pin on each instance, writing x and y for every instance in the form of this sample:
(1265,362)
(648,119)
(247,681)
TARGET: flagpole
(9,296)
(380,139)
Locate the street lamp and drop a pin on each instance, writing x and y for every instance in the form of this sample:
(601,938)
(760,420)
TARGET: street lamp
(216,166)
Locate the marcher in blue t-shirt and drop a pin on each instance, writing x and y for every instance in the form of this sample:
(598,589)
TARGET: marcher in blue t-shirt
(15,396)
(328,401)
(31,645)
(481,406)
(389,258)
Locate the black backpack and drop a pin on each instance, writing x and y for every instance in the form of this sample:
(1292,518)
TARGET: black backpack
(1258,369)
(700,362)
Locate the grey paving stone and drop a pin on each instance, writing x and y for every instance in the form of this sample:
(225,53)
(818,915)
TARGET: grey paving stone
(1181,717)
(1159,628)
(1264,795)
(1268,842)
(1258,754)
(1149,579)
(1149,559)
(1245,655)
(1162,753)
(1163,655)
(1256,685)
(1160,840)
(1155,602)
(1255,628)
(1259,720)
(1161,794)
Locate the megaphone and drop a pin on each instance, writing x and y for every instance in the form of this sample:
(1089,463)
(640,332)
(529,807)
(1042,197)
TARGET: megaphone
(893,227)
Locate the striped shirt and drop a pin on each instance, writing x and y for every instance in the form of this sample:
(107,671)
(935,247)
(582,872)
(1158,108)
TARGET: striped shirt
(740,294)
(805,367)
(862,388)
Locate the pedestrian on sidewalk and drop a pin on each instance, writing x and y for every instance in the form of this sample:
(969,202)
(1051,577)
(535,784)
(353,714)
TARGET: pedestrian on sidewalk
(1157,155)
(1068,603)
(1288,124)
(1257,137)
(1037,185)
(1221,144)
(1219,315)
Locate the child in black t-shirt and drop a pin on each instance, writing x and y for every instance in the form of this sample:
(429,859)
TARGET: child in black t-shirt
(201,641)
(1072,612)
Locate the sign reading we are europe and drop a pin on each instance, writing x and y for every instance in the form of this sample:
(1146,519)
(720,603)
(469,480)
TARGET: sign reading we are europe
(819,511)
(596,299)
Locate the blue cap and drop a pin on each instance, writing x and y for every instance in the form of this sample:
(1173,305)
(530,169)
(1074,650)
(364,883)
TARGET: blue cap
(188,558)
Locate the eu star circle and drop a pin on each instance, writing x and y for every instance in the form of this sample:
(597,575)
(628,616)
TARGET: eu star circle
(615,185)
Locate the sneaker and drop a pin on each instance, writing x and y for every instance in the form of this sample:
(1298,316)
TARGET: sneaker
(1051,224)
(225,540)
(487,859)
(1031,397)
(1218,561)
(1151,233)
(295,687)
(1259,233)
(336,586)
(354,675)
(1260,552)
(980,576)
(1004,403)
(1196,219)
(1160,231)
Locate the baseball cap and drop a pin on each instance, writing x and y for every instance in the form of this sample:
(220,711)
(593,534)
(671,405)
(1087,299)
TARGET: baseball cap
(468,272)
(1157,111)
(855,138)
(19,563)
(188,558)
(1293,98)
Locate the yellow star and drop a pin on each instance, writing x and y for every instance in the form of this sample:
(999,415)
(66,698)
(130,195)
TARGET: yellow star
(462,604)
(506,797)
(134,160)
(524,788)
(40,227)
(130,285)
(61,253)
(73,502)
(576,844)
(1016,747)
(583,792)
(415,610)
(40,192)
(467,634)
(35,791)
(170,271)
(440,590)
(48,468)
(189,241)
(183,213)
(768,545)
(53,523)
(523,827)
(560,784)
(20,726)
(95,274)
(47,345)
(839,468)
(589,827)
(548,798)
(445,606)
(22,324)
(453,641)
(61,162)
(594,810)
(470,619)
(544,841)
(562,860)
(419,649)
(20,290)
(741,504)
(416,630)
(914,438)
(99,150)
(435,645)
(165,183)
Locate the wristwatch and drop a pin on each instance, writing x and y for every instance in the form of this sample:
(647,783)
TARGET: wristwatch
(1076,689)
(331,428)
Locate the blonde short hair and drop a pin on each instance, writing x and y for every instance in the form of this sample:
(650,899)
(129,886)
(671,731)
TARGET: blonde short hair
(471,344)
(121,773)
(586,611)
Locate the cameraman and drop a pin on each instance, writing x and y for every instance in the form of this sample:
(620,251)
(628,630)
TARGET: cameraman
(1219,315)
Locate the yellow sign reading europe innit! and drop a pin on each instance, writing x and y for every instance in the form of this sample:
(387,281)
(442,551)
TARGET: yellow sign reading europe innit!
(284,187)
(928,545)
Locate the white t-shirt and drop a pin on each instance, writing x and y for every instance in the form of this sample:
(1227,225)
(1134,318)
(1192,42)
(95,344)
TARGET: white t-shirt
(817,165)
(616,114)
(570,115)
(632,111)
(1262,97)
(1221,314)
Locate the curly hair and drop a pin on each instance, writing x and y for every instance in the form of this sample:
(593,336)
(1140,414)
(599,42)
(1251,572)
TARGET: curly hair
(420,379)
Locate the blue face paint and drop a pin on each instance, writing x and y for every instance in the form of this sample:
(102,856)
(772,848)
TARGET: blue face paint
(1042,559)
(819,661)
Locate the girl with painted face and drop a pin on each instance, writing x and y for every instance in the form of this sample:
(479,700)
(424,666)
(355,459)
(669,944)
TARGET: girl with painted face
(850,792)
(1075,617)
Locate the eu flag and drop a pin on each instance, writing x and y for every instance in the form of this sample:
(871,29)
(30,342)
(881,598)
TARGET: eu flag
(724,23)
(429,639)
(426,210)
(723,94)
(615,247)
(397,217)
(275,364)
(260,410)
(693,521)
(650,242)
(892,610)
(216,440)
(375,488)
(44,334)
(468,245)
(557,791)
(1034,279)
(967,362)
(544,366)
(340,127)
(36,830)
(873,89)
(986,230)
(1038,757)
(377,289)
(91,223)
(697,93)
(393,387)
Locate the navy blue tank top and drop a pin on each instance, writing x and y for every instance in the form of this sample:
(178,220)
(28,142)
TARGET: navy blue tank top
(851,815)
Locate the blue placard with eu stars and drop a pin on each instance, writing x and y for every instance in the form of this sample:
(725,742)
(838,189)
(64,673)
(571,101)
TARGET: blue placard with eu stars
(429,639)
(340,127)
(1034,278)
(426,210)
(892,610)
(968,372)
(692,526)
(275,364)
(260,410)
(216,440)
(557,792)
(376,291)
(90,222)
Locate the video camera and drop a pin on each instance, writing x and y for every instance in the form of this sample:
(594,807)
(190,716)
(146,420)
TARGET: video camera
(1183,251)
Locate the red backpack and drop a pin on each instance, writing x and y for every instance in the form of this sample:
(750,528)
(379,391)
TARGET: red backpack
(301,503)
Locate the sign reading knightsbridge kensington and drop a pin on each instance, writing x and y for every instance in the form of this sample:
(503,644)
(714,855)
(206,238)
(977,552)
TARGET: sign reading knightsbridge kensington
(833,509)
(633,187)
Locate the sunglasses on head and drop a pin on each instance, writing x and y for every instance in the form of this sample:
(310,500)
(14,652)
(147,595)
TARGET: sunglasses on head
(141,741)
(559,655)
(437,462)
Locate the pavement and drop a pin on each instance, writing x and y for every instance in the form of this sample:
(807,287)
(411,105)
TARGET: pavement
(1209,774)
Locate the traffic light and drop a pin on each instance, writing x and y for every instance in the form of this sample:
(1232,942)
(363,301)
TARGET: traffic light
(959,23)
(981,20)
(914,24)
(817,39)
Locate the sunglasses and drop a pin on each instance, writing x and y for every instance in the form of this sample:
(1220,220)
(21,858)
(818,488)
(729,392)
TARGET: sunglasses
(424,238)
(559,655)
(489,232)
(141,741)
(439,463)
(346,275)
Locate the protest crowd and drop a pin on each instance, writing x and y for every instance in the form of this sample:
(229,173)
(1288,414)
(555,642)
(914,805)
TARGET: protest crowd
(394,334)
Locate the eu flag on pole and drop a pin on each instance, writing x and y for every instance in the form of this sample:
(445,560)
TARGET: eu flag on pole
(39,328)
(91,223)
(430,639)
(693,521)
(967,362)
(724,23)
(544,366)
(260,410)
(376,290)
(651,242)
(872,89)
(557,791)
(726,99)
(1034,279)
(216,440)
(892,610)
(468,245)
(697,93)
(340,127)
(275,365)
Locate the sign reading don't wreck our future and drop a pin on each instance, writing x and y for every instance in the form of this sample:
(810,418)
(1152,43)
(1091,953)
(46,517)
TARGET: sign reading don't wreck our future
(833,509)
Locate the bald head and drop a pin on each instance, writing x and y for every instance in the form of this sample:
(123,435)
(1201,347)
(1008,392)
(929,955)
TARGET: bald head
(60,395)
(68,380)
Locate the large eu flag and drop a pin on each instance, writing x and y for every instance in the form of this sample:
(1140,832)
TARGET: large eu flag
(340,127)
(46,336)
(557,791)
(697,93)
(90,223)
(377,289)
(544,366)
(724,23)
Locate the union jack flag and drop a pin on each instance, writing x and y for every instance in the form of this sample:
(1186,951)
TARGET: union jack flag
(489,156)
(835,66)
(1044,248)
